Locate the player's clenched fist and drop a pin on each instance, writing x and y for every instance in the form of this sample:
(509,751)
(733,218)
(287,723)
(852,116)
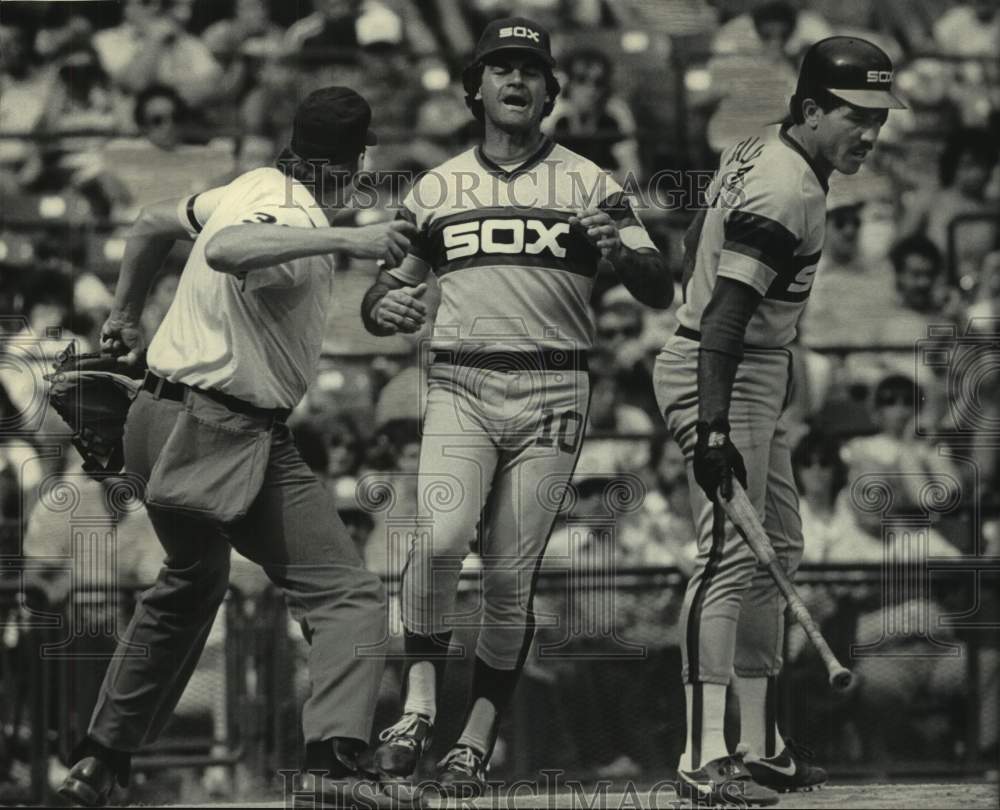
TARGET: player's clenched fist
(388,242)
(402,310)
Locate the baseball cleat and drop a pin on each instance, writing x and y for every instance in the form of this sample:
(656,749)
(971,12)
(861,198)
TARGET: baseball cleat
(788,771)
(403,744)
(723,781)
(462,773)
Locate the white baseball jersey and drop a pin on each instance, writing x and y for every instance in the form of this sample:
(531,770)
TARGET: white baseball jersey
(500,242)
(764,226)
(257,337)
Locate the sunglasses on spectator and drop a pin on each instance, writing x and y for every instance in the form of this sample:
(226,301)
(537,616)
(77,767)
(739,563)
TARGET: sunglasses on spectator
(620,331)
(843,220)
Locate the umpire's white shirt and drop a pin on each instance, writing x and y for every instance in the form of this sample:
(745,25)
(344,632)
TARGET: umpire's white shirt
(257,337)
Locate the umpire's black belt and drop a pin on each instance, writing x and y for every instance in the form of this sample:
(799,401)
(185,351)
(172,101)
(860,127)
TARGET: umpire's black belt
(510,361)
(164,389)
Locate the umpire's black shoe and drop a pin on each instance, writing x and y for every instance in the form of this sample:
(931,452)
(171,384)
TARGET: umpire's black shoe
(403,744)
(789,771)
(89,783)
(352,792)
(723,781)
(462,773)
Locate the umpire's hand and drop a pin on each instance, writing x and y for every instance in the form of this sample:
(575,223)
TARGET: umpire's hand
(402,310)
(387,241)
(716,461)
(121,337)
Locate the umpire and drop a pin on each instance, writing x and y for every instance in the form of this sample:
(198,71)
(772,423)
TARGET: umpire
(207,432)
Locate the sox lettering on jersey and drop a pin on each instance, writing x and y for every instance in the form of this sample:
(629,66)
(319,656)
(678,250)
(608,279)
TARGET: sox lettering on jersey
(803,281)
(463,239)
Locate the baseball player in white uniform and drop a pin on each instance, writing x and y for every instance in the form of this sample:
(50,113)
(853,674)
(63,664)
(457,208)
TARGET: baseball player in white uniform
(515,231)
(721,382)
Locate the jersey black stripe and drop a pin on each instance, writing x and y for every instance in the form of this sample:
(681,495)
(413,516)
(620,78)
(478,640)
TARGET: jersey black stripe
(761,238)
(190,214)
(619,207)
(781,288)
(588,269)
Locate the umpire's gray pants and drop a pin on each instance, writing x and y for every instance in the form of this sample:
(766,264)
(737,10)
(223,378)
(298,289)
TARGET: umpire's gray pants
(293,531)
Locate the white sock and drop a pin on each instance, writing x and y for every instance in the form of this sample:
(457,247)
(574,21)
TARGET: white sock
(753,718)
(420,686)
(479,727)
(713,715)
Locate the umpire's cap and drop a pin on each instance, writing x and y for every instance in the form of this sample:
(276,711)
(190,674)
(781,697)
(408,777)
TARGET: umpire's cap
(515,34)
(852,69)
(332,124)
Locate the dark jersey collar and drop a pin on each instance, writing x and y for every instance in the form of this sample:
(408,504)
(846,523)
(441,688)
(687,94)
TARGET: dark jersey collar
(533,160)
(791,143)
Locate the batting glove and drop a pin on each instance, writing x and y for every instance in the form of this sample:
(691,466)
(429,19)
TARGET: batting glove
(717,461)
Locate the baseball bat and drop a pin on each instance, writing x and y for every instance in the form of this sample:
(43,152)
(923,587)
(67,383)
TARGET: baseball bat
(744,517)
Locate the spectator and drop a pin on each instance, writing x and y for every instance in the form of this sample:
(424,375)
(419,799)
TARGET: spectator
(48,309)
(968,159)
(269,107)
(771,27)
(81,98)
(344,449)
(330,34)
(753,71)
(240,43)
(158,164)
(151,47)
(620,327)
(987,302)
(611,413)
(589,119)
(923,297)
(896,448)
(923,300)
(248,32)
(845,283)
(820,476)
(969,29)
(25,88)
(662,532)
(384,73)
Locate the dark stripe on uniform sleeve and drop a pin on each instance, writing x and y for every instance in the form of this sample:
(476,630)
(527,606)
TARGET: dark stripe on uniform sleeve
(190,214)
(760,238)
(619,208)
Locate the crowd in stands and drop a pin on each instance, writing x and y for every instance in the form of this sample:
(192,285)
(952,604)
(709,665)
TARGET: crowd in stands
(105,107)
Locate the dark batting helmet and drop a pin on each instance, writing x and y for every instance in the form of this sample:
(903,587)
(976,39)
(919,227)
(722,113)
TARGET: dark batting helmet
(852,69)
